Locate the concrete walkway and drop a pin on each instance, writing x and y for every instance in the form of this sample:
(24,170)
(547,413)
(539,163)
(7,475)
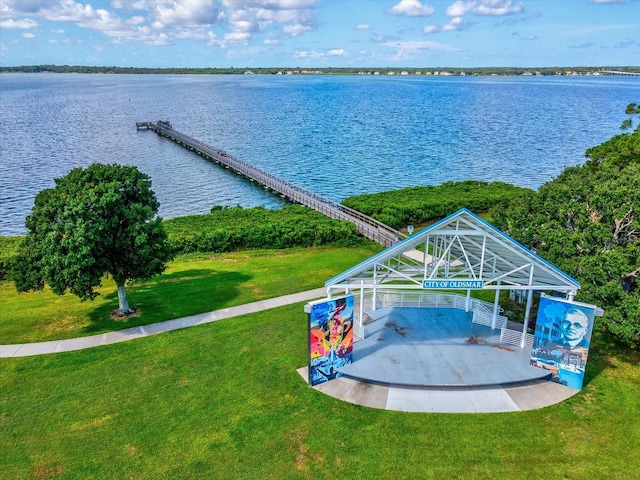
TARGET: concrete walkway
(57,346)
(530,395)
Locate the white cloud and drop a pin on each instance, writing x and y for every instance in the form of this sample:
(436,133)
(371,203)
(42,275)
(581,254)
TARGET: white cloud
(187,13)
(296,30)
(25,24)
(498,7)
(25,7)
(294,16)
(455,24)
(58,31)
(28,35)
(411,8)
(484,7)
(159,22)
(408,50)
(237,37)
(336,52)
(308,54)
(459,8)
(363,26)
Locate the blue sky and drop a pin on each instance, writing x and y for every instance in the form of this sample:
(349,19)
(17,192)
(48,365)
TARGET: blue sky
(320,33)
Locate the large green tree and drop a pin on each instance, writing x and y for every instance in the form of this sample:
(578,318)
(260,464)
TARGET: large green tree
(587,222)
(97,221)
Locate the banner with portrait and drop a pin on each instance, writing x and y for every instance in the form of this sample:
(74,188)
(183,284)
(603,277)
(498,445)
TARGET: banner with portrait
(562,338)
(330,338)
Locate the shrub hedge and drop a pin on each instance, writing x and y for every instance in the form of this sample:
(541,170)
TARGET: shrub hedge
(423,204)
(227,229)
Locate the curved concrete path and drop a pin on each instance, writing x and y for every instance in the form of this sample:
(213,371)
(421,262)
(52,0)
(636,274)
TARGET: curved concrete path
(516,397)
(57,346)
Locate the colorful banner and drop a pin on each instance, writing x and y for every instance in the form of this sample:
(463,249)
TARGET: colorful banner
(330,338)
(561,344)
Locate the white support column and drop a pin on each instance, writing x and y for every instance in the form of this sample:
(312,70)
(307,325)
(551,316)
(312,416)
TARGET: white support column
(362,300)
(528,309)
(496,304)
(467,304)
(526,318)
(361,315)
(373,288)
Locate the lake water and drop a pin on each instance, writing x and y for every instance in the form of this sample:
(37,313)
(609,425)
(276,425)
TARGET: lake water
(337,136)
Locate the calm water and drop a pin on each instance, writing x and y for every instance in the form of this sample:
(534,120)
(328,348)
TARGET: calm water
(338,136)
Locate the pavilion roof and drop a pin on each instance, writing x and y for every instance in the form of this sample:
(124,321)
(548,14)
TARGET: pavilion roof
(461,246)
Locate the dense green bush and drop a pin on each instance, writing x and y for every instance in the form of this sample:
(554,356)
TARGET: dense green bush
(8,250)
(420,205)
(236,228)
(587,222)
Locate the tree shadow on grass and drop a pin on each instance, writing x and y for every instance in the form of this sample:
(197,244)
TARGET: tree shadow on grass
(169,296)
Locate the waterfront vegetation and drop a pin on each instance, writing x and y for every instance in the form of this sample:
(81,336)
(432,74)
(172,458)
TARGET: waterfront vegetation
(423,204)
(229,229)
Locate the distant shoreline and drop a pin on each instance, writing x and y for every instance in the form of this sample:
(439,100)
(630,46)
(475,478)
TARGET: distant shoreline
(381,71)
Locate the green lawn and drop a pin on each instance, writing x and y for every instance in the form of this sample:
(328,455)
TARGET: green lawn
(224,400)
(192,284)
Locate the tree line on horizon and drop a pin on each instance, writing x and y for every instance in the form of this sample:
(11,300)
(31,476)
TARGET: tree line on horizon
(477,71)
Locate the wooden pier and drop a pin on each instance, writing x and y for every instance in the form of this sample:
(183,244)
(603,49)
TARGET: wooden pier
(367,226)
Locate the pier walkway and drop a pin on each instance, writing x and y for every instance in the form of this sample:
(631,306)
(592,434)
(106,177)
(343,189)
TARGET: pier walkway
(620,73)
(367,226)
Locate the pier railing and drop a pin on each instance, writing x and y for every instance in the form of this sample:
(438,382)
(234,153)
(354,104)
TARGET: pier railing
(367,226)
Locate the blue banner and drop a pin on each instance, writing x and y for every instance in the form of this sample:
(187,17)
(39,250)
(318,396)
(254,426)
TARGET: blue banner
(561,344)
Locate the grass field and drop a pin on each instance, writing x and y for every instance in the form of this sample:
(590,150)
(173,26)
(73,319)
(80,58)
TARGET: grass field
(224,401)
(192,284)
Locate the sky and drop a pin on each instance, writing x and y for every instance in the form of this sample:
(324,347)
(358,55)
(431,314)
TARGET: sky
(320,33)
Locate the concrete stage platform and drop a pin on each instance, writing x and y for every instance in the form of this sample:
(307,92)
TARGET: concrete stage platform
(436,347)
(437,360)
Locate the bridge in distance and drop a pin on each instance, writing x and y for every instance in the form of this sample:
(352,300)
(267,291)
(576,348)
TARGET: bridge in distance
(367,226)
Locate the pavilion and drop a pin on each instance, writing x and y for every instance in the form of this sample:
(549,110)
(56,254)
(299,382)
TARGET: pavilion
(440,265)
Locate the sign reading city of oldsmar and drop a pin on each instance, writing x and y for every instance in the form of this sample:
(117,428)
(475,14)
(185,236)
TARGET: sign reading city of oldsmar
(453,284)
